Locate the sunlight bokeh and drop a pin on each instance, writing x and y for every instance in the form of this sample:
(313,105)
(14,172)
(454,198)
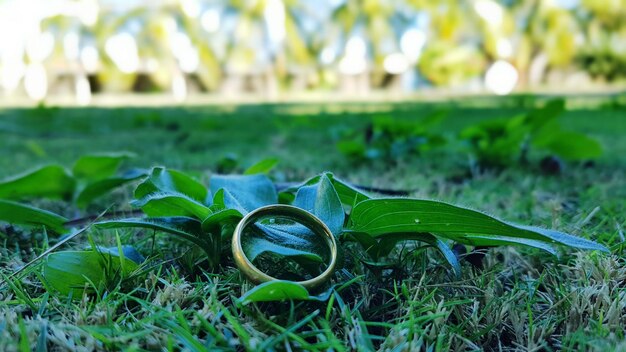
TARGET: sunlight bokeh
(84,48)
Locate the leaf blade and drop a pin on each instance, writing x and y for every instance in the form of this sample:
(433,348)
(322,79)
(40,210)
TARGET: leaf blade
(322,200)
(17,213)
(51,181)
(262,167)
(387,215)
(99,166)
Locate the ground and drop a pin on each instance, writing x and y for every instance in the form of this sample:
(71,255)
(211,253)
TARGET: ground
(520,299)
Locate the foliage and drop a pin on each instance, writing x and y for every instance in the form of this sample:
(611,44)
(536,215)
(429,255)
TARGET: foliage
(445,63)
(390,139)
(73,272)
(92,176)
(180,206)
(603,62)
(519,298)
(17,213)
(499,143)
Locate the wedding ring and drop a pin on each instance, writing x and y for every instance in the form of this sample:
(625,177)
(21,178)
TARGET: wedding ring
(299,215)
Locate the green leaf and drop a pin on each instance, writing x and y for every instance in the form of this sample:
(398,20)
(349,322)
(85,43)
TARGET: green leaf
(449,256)
(381,246)
(348,194)
(296,240)
(128,252)
(262,167)
(171,204)
(352,148)
(185,228)
(220,213)
(574,146)
(538,118)
(491,240)
(70,271)
(166,181)
(16,213)
(221,216)
(98,188)
(322,200)
(286,240)
(281,290)
(255,246)
(52,181)
(244,192)
(99,166)
(378,217)
(272,291)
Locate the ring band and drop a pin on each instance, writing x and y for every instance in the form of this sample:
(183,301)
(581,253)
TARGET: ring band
(300,215)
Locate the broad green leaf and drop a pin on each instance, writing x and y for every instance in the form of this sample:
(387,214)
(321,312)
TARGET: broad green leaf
(272,291)
(574,146)
(52,181)
(99,166)
(16,213)
(98,188)
(282,290)
(286,240)
(378,217)
(255,246)
(171,204)
(546,134)
(244,192)
(71,271)
(129,253)
(348,194)
(294,240)
(227,201)
(538,118)
(262,167)
(353,148)
(163,180)
(221,215)
(322,200)
(183,227)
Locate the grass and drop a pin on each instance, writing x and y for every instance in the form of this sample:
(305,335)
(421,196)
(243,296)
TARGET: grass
(520,299)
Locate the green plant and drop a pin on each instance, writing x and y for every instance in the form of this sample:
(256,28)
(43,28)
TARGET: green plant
(73,272)
(388,139)
(178,205)
(91,177)
(501,142)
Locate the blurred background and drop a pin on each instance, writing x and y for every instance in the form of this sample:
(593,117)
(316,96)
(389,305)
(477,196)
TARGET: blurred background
(77,51)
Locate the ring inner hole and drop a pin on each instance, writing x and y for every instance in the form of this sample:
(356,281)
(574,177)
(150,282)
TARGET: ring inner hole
(285,248)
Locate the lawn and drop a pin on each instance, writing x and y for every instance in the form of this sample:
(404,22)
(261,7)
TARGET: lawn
(515,298)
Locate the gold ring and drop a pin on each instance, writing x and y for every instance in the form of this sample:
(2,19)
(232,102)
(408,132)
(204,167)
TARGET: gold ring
(301,216)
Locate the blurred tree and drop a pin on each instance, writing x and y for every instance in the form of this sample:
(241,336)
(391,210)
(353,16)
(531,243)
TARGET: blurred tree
(267,32)
(604,52)
(450,56)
